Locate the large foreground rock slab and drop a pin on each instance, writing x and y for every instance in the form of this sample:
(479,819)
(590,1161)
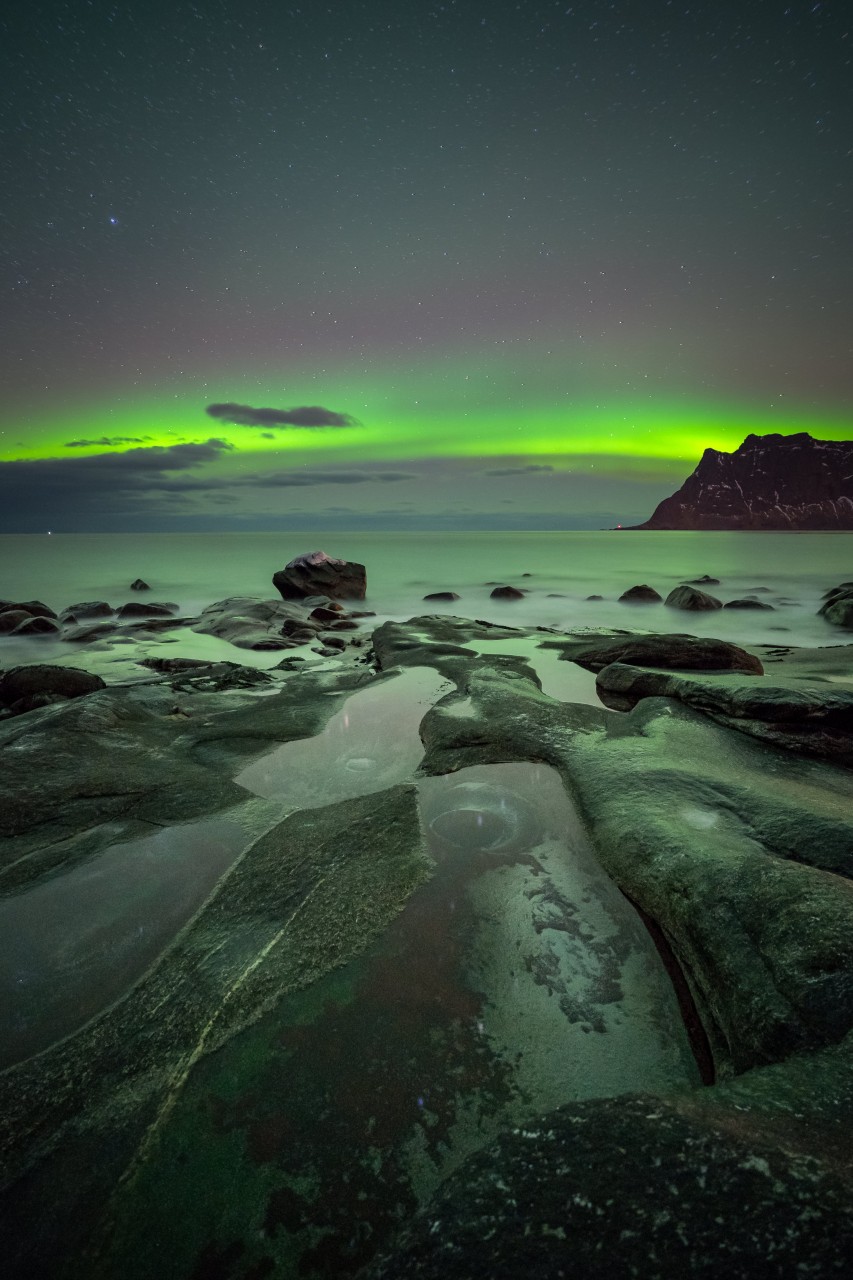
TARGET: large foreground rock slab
(630,1187)
(814,718)
(81,1121)
(671,652)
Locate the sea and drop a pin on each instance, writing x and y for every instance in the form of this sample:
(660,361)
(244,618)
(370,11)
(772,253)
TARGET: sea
(558,571)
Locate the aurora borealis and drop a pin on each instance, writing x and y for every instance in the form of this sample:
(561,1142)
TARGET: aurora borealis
(529,259)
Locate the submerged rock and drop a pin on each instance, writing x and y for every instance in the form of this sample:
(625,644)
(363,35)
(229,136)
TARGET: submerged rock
(443,595)
(35,608)
(133,609)
(139,585)
(687,597)
(86,610)
(506,593)
(630,1187)
(36,626)
(747,602)
(838,607)
(642,594)
(11,619)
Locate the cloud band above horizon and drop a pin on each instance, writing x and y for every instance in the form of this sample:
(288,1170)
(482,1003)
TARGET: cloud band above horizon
(311,416)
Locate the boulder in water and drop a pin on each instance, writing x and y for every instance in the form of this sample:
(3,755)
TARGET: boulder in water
(12,618)
(136,610)
(642,594)
(87,609)
(320,574)
(34,608)
(41,678)
(506,593)
(686,597)
(747,602)
(36,626)
(443,595)
(838,607)
(139,585)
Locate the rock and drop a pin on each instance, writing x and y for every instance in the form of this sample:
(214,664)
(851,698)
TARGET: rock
(139,585)
(506,593)
(445,595)
(36,626)
(324,613)
(636,1186)
(88,609)
(642,594)
(344,624)
(87,631)
(136,610)
(686,597)
(32,702)
(300,629)
(34,608)
(595,597)
(320,574)
(68,682)
(334,642)
(704,581)
(12,618)
(815,719)
(747,602)
(838,607)
(672,652)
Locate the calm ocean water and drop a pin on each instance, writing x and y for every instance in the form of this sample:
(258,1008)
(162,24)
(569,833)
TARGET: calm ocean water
(194,570)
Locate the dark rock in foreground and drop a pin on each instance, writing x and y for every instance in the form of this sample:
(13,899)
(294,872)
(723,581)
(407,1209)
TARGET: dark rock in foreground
(817,720)
(23,688)
(688,1194)
(319,574)
(770,482)
(687,597)
(642,594)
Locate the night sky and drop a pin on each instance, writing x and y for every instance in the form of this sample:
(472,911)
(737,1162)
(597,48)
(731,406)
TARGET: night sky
(385,265)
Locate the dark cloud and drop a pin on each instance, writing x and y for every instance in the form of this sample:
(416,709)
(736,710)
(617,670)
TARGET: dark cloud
(85,491)
(518,471)
(311,415)
(106,441)
(288,480)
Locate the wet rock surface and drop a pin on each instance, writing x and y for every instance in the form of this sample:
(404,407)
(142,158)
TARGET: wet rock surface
(377,1017)
(807,718)
(687,1196)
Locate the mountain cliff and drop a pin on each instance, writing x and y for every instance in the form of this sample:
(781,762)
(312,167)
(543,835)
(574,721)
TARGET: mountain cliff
(770,482)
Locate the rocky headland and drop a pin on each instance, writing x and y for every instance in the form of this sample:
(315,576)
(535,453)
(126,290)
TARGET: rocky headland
(405,966)
(769,482)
